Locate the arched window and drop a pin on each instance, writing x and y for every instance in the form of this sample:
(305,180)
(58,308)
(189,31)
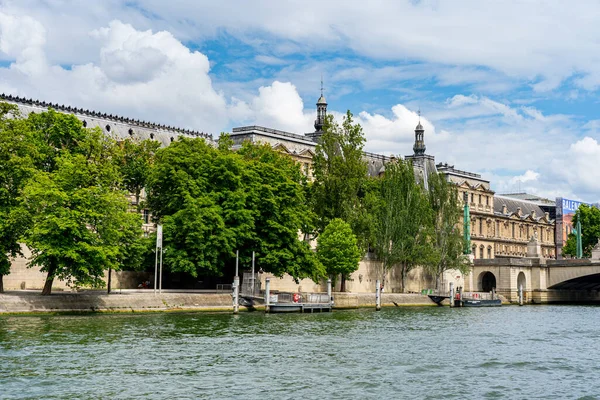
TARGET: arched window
(481,226)
(489,252)
(474,251)
(481,252)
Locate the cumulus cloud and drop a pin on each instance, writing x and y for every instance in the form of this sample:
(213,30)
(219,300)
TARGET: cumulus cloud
(151,76)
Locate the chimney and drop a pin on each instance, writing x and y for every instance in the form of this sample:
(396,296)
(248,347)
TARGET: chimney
(532,213)
(547,215)
(519,211)
(504,210)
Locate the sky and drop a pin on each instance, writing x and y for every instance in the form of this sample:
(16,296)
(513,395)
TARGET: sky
(510,89)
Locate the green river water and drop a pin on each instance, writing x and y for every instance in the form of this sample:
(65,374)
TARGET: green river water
(544,352)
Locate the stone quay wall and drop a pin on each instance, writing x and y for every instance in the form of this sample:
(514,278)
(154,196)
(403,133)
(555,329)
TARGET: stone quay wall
(17,302)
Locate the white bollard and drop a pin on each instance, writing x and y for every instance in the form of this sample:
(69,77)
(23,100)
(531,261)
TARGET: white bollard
(521,294)
(451,294)
(377,295)
(236,294)
(267,293)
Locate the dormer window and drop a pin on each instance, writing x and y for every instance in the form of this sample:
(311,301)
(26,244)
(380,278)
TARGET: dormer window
(107,127)
(130,132)
(84,123)
(152,136)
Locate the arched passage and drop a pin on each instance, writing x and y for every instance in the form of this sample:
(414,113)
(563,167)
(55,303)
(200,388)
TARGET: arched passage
(487,281)
(521,280)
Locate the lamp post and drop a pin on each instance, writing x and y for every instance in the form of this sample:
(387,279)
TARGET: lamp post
(466,224)
(579,250)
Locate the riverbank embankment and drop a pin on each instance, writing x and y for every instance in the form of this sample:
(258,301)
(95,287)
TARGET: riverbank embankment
(18,302)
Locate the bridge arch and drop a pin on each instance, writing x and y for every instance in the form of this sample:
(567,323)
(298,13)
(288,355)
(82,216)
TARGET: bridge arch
(486,281)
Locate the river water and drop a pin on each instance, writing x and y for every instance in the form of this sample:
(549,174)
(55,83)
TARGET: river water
(545,352)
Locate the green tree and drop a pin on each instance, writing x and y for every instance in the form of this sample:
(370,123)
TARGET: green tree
(135,160)
(337,250)
(79,216)
(590,231)
(402,220)
(340,172)
(213,201)
(340,176)
(447,240)
(16,167)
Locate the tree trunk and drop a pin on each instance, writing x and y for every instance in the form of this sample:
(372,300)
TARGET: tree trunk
(403,278)
(49,280)
(343,283)
(437,282)
(109,280)
(1,283)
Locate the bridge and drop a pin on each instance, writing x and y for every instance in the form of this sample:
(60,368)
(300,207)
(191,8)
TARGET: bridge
(544,281)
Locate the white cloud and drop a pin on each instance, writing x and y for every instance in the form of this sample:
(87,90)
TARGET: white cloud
(528,176)
(146,75)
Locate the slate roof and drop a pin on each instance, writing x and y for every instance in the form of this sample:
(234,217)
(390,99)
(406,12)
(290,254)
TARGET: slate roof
(513,204)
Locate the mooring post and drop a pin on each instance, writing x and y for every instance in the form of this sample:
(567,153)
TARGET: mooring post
(451,294)
(236,285)
(521,294)
(377,295)
(329,296)
(267,293)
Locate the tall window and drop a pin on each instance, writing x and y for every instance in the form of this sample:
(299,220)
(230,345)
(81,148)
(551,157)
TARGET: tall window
(472,201)
(487,200)
(146,216)
(513,230)
(489,252)
(497,228)
(474,251)
(481,226)
(481,252)
(479,199)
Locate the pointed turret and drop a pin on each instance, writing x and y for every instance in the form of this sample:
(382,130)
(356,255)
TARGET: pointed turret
(419,146)
(321,111)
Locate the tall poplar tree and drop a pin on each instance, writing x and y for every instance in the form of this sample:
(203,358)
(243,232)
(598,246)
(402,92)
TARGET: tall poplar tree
(402,220)
(340,174)
(447,240)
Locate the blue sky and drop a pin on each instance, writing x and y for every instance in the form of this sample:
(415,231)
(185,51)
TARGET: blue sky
(507,89)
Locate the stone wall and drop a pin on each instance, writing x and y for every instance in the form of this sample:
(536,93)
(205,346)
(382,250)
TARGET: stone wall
(22,278)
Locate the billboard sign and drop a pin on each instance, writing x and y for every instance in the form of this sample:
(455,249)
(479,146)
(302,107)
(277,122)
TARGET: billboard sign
(565,210)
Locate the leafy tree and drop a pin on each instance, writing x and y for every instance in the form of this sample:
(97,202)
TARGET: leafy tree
(447,240)
(339,171)
(135,160)
(53,133)
(280,212)
(16,167)
(213,201)
(402,220)
(590,231)
(340,174)
(337,250)
(80,219)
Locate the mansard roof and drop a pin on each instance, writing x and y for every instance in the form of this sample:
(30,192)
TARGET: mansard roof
(519,209)
(83,113)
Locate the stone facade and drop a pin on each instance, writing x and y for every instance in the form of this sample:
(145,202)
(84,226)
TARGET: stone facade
(500,226)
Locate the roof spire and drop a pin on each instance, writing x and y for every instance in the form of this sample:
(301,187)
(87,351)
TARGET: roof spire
(321,84)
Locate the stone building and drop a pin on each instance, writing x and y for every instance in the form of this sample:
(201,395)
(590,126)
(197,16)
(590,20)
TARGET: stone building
(500,226)
(301,147)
